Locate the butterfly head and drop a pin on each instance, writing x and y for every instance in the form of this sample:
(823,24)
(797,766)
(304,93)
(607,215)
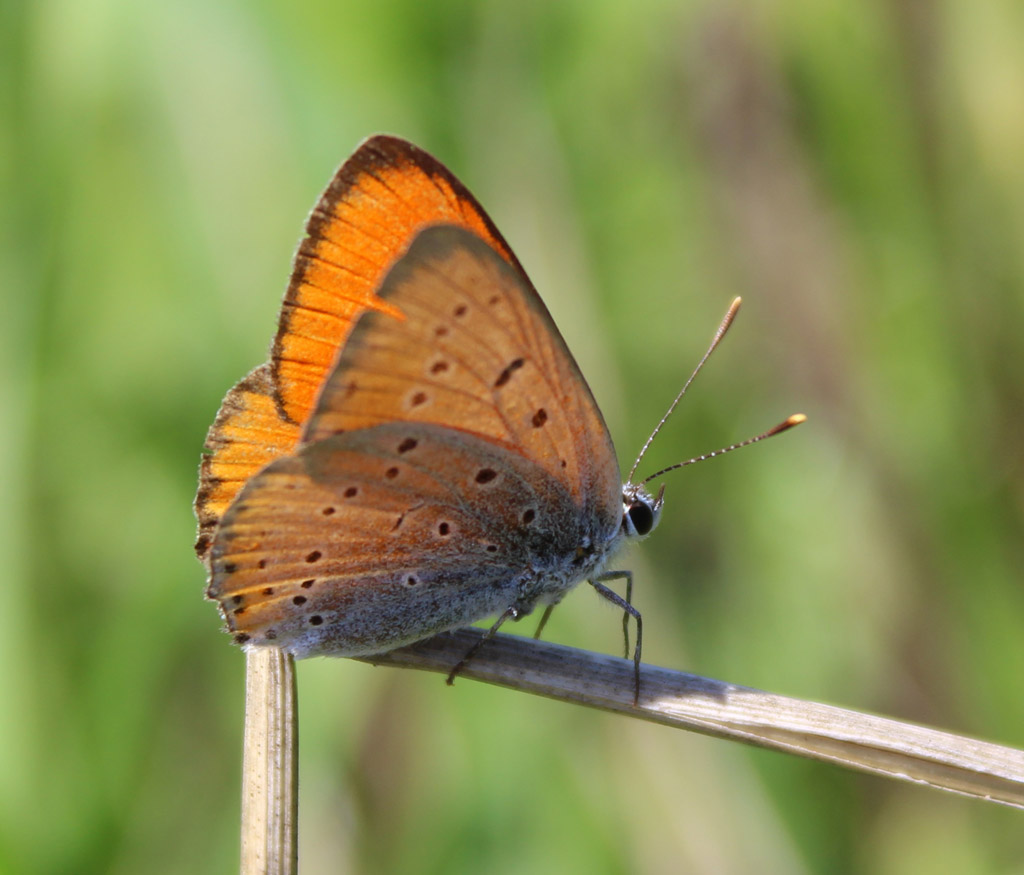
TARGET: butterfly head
(641,511)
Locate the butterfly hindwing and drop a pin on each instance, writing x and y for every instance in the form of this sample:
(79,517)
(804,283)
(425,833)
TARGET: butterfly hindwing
(370,539)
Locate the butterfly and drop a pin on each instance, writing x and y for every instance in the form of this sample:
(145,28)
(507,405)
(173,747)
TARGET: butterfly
(421,452)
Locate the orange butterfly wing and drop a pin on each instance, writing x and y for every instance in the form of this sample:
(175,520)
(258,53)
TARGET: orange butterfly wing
(476,351)
(369,214)
(457,465)
(376,538)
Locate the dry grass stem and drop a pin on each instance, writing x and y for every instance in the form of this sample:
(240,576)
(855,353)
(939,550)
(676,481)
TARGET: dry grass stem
(269,765)
(883,746)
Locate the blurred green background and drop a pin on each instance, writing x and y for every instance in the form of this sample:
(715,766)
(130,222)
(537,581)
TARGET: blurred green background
(853,170)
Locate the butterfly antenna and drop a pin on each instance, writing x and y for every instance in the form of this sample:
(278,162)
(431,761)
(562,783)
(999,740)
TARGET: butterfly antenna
(794,420)
(722,329)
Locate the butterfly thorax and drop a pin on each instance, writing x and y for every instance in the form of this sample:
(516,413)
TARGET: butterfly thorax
(548,581)
(595,544)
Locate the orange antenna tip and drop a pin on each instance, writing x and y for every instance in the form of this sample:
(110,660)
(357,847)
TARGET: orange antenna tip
(723,328)
(794,420)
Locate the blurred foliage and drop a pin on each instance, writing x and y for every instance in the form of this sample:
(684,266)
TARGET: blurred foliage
(854,170)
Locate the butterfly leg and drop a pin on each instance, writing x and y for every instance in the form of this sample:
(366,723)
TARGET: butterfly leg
(629,611)
(511,613)
(544,620)
(628,577)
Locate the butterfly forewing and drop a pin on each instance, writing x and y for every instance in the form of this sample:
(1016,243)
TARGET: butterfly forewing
(373,538)
(387,191)
(247,434)
(478,352)
(378,200)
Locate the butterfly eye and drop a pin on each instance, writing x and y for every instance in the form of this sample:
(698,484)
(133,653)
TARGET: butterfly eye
(642,518)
